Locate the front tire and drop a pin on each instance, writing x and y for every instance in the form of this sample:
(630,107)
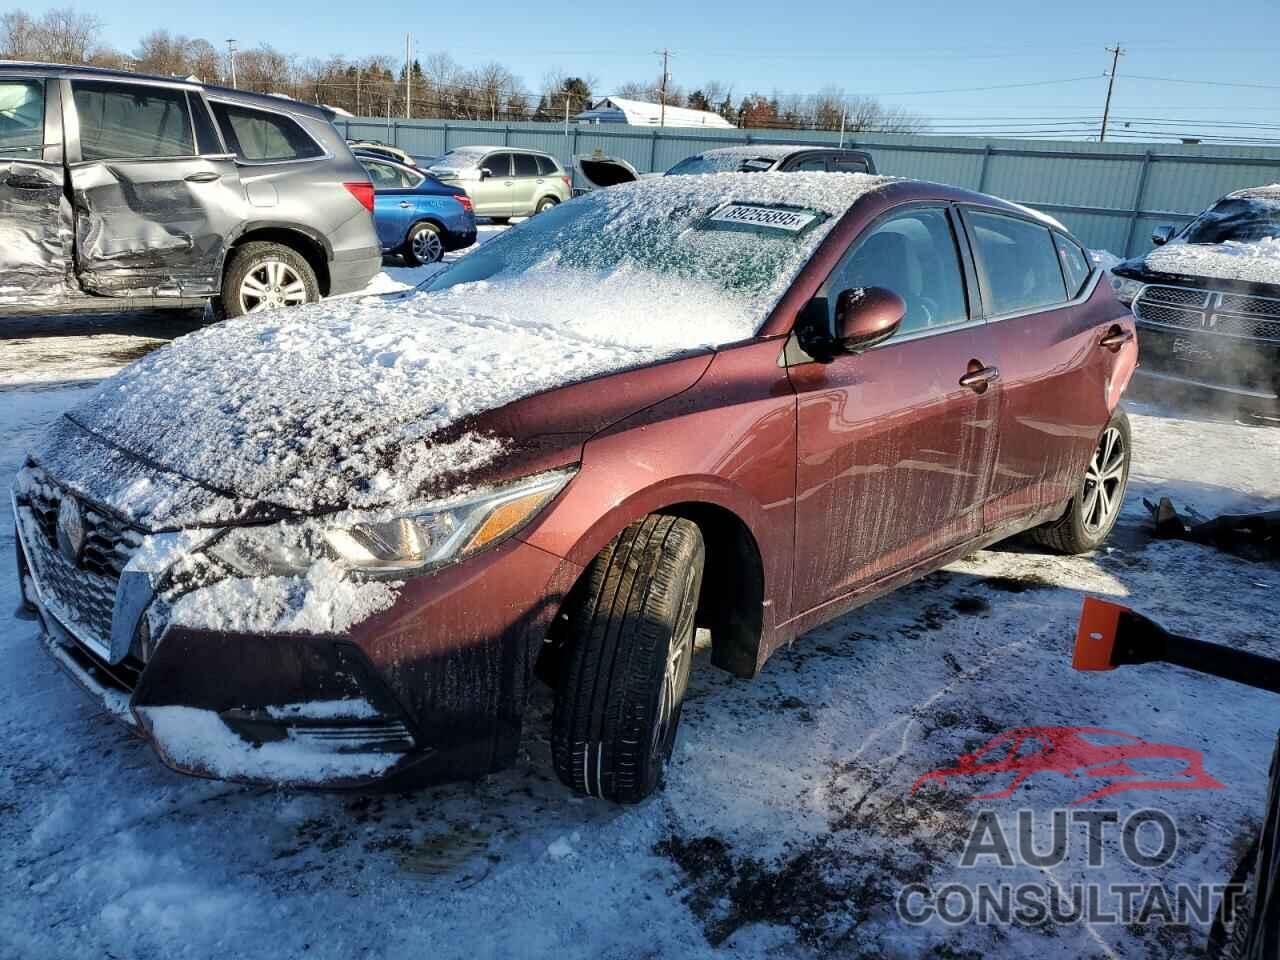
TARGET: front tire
(630,637)
(266,276)
(1092,513)
(423,245)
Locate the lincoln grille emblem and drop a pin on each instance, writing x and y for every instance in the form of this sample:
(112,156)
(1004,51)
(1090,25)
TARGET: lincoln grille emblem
(70,529)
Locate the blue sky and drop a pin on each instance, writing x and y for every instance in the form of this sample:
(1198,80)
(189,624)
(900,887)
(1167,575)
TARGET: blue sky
(887,49)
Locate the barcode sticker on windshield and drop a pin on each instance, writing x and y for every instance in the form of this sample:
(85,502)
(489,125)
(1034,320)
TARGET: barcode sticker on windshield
(792,221)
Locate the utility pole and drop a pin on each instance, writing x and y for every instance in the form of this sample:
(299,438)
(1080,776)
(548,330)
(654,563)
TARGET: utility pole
(408,78)
(357,91)
(662,97)
(231,55)
(1116,53)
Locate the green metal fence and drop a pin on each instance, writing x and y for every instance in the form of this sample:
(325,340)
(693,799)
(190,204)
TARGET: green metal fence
(1111,195)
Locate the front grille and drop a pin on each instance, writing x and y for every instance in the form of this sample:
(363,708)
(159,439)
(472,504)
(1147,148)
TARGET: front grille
(1169,316)
(81,595)
(1179,295)
(1226,314)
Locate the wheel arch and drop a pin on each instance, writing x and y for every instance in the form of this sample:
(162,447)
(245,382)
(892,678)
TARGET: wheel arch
(312,248)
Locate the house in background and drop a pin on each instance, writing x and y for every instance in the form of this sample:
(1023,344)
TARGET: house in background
(637,113)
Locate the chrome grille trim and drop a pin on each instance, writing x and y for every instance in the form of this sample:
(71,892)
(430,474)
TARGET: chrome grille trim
(1225,314)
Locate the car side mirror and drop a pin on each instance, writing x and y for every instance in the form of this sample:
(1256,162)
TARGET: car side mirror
(485,173)
(865,317)
(1162,235)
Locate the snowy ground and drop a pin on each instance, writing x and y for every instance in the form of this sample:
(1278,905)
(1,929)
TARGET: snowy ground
(786,829)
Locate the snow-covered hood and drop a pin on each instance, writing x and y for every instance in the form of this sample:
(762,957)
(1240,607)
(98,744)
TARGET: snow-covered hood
(362,403)
(1232,262)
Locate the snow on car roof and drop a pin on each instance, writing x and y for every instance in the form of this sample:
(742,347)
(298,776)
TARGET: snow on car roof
(336,404)
(1270,191)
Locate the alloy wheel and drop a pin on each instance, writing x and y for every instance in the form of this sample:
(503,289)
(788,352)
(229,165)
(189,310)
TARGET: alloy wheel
(675,677)
(427,247)
(270,285)
(1104,482)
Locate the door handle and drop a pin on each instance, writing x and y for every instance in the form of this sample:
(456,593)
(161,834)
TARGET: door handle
(30,183)
(207,177)
(405,204)
(1116,338)
(978,377)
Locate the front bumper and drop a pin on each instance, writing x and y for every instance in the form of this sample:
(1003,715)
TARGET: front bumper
(430,690)
(1245,371)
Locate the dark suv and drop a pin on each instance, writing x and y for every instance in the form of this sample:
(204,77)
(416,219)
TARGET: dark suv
(119,190)
(1207,301)
(604,171)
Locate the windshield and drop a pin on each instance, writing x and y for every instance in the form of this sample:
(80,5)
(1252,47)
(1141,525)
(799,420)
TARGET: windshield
(1241,219)
(699,251)
(722,163)
(462,157)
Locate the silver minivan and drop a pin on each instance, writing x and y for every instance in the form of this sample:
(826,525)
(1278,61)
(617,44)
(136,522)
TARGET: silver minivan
(505,182)
(119,190)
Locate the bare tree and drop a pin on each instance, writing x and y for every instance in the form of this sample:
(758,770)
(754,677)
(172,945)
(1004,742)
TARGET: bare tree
(17,36)
(68,36)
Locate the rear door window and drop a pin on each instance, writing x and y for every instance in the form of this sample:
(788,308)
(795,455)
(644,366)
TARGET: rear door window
(260,136)
(207,142)
(546,167)
(1017,263)
(848,165)
(811,163)
(123,121)
(914,254)
(526,165)
(21,118)
(1075,264)
(383,175)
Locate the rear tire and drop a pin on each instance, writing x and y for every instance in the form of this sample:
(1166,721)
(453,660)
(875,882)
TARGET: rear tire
(1092,513)
(630,638)
(546,203)
(265,276)
(423,245)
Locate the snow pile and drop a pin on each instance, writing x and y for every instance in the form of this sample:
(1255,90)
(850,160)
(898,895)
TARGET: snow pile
(1104,259)
(198,739)
(338,403)
(1256,262)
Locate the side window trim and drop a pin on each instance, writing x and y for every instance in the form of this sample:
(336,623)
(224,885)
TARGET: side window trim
(1085,292)
(973,303)
(1088,262)
(195,102)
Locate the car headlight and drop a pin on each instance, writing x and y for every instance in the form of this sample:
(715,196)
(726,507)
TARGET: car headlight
(1126,290)
(407,542)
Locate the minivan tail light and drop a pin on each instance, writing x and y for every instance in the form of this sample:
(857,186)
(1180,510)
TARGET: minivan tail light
(568,182)
(465,201)
(363,192)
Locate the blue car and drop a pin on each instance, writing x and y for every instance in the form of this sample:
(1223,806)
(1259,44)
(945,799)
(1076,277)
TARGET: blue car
(415,214)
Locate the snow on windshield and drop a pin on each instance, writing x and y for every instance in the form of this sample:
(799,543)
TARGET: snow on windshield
(336,404)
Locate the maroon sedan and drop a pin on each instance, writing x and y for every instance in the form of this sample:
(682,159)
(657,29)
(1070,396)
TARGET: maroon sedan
(335,546)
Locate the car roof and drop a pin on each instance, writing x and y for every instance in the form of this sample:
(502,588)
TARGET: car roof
(485,148)
(776,151)
(1269,192)
(266,101)
(361,153)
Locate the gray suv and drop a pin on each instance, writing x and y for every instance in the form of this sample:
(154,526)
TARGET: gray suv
(119,191)
(505,182)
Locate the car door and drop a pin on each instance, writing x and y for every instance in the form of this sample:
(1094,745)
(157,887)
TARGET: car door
(393,205)
(156,195)
(527,183)
(491,195)
(35,217)
(894,451)
(1053,371)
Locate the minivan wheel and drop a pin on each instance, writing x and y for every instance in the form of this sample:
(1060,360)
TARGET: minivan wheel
(424,245)
(1093,511)
(267,276)
(630,643)
(546,203)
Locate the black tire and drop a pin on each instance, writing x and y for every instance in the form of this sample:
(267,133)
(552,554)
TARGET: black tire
(252,257)
(500,221)
(1073,532)
(546,203)
(419,237)
(630,642)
